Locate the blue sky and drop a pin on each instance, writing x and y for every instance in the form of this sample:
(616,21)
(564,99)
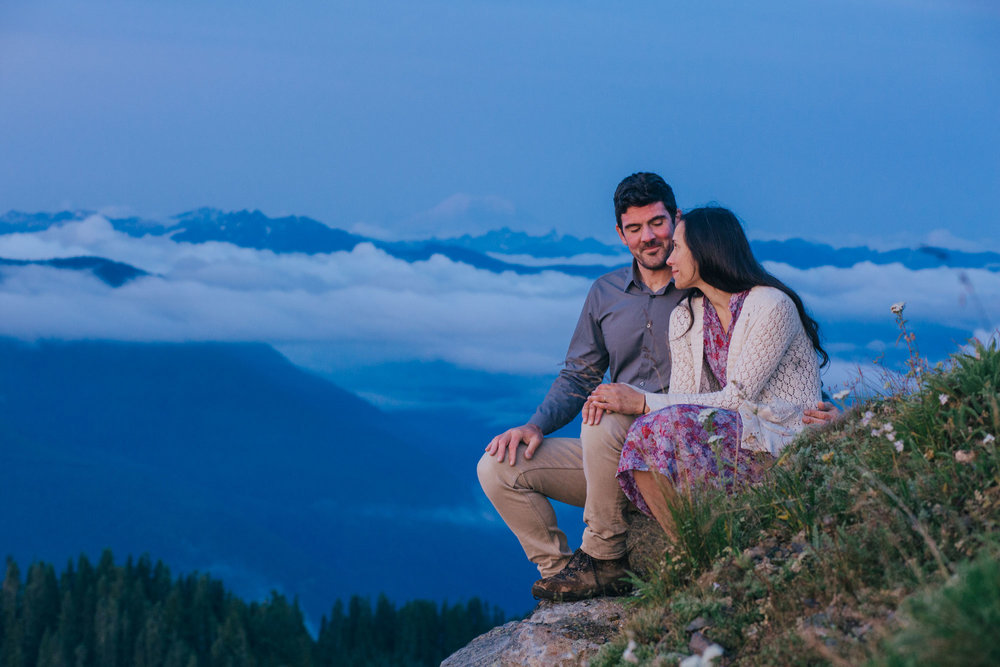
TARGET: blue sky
(848,121)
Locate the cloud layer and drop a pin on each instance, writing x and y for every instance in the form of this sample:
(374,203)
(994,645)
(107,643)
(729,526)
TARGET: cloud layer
(354,303)
(362,308)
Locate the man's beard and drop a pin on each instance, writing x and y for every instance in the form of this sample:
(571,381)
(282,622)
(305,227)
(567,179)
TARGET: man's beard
(649,263)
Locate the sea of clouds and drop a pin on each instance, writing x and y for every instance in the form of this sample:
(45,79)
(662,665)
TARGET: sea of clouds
(332,312)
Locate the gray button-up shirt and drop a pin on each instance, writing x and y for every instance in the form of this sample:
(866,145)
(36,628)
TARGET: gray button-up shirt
(622,330)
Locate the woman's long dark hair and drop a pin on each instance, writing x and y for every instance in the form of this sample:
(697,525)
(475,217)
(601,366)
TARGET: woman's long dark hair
(722,253)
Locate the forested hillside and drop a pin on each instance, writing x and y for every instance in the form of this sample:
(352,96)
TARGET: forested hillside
(138,614)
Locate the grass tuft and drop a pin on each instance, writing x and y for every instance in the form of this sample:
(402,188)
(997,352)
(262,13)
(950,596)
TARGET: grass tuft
(955,624)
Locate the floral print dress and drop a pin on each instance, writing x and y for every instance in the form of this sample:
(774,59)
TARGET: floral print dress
(691,444)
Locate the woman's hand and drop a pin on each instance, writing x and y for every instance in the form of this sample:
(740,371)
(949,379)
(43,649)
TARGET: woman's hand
(591,414)
(824,413)
(614,397)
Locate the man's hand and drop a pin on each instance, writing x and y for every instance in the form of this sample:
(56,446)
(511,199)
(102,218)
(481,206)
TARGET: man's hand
(615,397)
(506,443)
(823,414)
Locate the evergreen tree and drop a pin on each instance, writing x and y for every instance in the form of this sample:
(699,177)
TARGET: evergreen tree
(331,642)
(107,617)
(420,632)
(12,649)
(151,642)
(231,648)
(359,631)
(41,608)
(50,652)
(84,595)
(385,626)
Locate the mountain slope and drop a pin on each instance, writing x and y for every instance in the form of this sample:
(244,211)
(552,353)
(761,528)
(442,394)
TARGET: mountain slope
(229,459)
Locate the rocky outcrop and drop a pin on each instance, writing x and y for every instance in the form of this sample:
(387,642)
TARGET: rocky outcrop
(567,633)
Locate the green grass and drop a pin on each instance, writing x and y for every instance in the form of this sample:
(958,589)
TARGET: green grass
(863,545)
(955,624)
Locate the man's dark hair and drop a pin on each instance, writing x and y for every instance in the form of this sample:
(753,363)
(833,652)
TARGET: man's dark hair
(642,189)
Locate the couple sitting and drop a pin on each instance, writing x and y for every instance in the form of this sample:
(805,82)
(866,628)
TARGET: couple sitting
(714,368)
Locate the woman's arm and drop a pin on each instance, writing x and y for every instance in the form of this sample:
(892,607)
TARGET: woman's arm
(684,372)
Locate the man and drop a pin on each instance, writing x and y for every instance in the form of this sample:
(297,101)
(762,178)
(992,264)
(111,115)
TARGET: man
(622,330)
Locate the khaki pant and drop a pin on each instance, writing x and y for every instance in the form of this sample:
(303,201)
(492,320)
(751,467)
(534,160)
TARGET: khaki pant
(578,472)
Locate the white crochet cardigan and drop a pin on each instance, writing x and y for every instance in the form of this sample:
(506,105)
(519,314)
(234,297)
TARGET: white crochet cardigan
(772,370)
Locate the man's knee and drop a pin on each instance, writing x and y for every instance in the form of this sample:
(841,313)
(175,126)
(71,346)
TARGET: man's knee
(608,434)
(495,475)
(486,470)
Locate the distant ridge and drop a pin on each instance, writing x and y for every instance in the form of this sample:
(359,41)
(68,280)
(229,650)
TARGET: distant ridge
(298,234)
(253,229)
(806,254)
(13,222)
(108,271)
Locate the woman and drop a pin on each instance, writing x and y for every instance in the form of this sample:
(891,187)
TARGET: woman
(744,367)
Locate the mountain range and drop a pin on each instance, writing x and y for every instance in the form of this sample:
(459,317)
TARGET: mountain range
(496,251)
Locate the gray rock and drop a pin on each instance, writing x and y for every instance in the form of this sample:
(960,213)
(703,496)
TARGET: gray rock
(699,623)
(646,543)
(699,643)
(566,633)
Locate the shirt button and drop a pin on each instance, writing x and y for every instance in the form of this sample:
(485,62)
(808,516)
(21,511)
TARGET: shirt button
(649,325)
(642,383)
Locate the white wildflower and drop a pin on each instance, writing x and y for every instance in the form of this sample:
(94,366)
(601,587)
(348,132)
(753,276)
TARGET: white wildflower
(714,439)
(943,398)
(897,307)
(866,418)
(705,416)
(705,659)
(841,395)
(629,654)
(988,439)
(965,456)
(711,653)
(876,432)
(890,434)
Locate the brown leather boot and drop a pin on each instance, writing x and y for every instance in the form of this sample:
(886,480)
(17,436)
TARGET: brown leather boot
(585,577)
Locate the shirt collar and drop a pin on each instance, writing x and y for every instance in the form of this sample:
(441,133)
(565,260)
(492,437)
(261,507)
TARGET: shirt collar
(635,282)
